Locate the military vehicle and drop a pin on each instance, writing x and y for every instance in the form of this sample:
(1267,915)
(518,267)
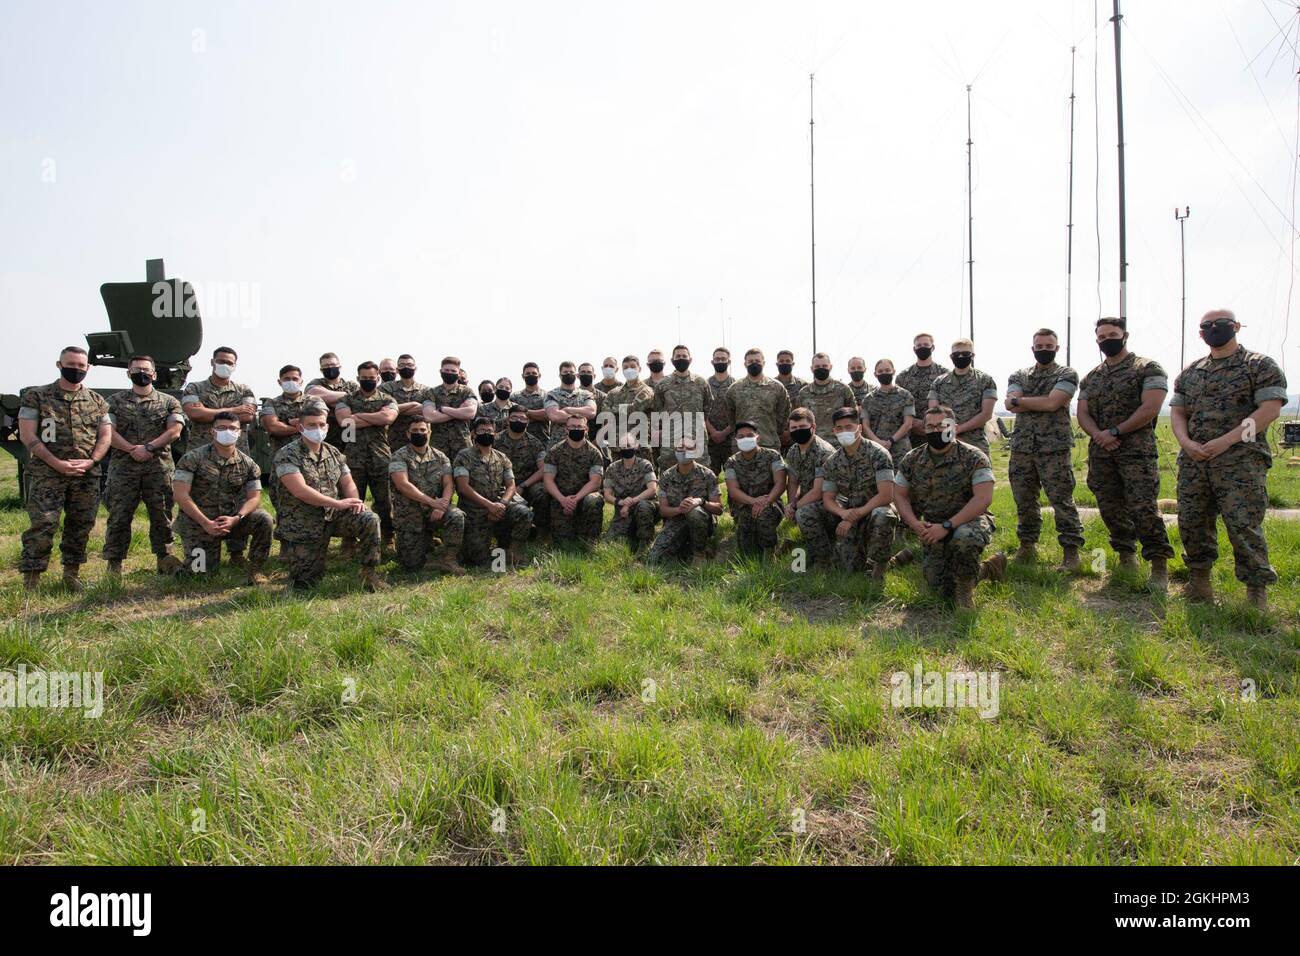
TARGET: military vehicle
(157,317)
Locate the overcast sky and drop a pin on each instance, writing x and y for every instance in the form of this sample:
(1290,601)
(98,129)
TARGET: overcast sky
(546,180)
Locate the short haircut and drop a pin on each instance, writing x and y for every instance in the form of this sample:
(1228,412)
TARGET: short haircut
(404,355)
(142,358)
(482,420)
(367,365)
(1045,332)
(1113,320)
(944,410)
(515,408)
(803,414)
(313,408)
(451,360)
(681,348)
(568,363)
(922,335)
(77,349)
(225,416)
(821,355)
(327,355)
(746,424)
(572,416)
(724,350)
(226,349)
(632,358)
(966,344)
(486,381)
(844,414)
(528,365)
(415,421)
(753,352)
(285,370)
(785,352)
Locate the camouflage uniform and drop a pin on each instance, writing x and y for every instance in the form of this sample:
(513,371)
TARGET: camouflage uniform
(532,401)
(334,431)
(368,454)
(627,479)
(415,522)
(814,521)
(1217,395)
(685,400)
(766,403)
(1126,481)
(526,454)
(601,398)
(884,410)
(305,530)
(632,402)
(219,486)
(226,395)
(403,391)
(284,408)
(938,485)
(572,468)
(684,536)
(495,414)
(755,475)
(76,416)
(860,391)
(823,399)
(489,477)
(965,395)
(719,452)
(917,379)
(564,397)
(792,389)
(1040,456)
(452,436)
(854,480)
(139,419)
(605,387)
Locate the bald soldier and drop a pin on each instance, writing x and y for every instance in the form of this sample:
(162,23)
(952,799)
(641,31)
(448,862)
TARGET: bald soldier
(970,393)
(858,379)
(888,413)
(823,396)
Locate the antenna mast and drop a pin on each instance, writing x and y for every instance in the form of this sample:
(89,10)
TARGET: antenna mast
(1119,114)
(1182,261)
(1069,229)
(812,206)
(970,219)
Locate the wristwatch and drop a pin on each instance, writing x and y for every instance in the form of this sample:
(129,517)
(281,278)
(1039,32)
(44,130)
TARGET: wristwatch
(1114,431)
(947,525)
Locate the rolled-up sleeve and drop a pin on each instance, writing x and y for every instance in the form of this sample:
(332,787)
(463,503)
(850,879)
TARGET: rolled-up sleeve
(980,476)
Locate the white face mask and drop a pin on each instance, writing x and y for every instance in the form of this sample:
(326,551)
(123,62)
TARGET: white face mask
(222,370)
(847,438)
(609,372)
(314,435)
(683,457)
(748,443)
(225,436)
(631,374)
(290,387)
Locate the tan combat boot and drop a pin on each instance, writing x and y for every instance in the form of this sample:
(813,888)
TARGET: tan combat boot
(963,594)
(903,557)
(256,576)
(1070,559)
(994,568)
(1257,595)
(1198,589)
(1027,553)
(31,580)
(1128,560)
(1159,580)
(372,579)
(72,578)
(238,562)
(169,564)
(114,571)
(446,563)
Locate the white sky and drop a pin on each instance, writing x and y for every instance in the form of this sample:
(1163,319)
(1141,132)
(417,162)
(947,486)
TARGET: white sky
(512,181)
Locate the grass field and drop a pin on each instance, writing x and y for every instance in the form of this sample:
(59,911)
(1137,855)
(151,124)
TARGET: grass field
(590,710)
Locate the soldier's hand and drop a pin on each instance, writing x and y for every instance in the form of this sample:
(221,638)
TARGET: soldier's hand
(244,409)
(212,529)
(140,453)
(933,533)
(352,505)
(1196,451)
(843,528)
(759,506)
(790,512)
(437,509)
(1214,447)
(80,466)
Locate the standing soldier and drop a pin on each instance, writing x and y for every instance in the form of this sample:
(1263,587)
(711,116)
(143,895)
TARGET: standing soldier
(804,461)
(682,403)
(498,405)
(331,388)
(759,399)
(689,503)
(567,399)
(406,392)
(485,484)
(200,401)
(858,489)
(1220,412)
(145,423)
(587,379)
(533,400)
(716,421)
(888,413)
(608,375)
(629,408)
(858,380)
(67,433)
(1041,445)
(755,482)
(631,487)
(320,501)
(365,416)
(280,420)
(387,371)
(219,493)
(422,503)
(824,396)
(1119,402)
(573,471)
(970,393)
(450,407)
(919,376)
(654,361)
(785,369)
(943,491)
(526,453)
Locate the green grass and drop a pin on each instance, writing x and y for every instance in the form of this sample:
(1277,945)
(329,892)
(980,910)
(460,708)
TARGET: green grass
(591,710)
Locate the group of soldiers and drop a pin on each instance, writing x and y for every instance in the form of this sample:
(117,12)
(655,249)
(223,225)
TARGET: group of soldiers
(872,475)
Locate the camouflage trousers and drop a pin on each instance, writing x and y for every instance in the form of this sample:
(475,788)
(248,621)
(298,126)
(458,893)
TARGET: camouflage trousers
(584,523)
(1238,491)
(1053,472)
(305,557)
(683,536)
(757,535)
(719,452)
(975,439)
(127,487)
(372,474)
(539,502)
(450,446)
(900,449)
(48,496)
(415,527)
(1126,490)
(638,528)
(202,553)
(513,526)
(867,543)
(957,557)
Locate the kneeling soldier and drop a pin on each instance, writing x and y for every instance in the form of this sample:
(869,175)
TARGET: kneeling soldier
(858,489)
(573,471)
(943,491)
(485,483)
(631,487)
(422,505)
(320,500)
(755,482)
(219,493)
(688,503)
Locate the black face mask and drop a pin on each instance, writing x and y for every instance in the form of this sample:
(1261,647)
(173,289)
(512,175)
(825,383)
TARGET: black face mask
(419,439)
(406,371)
(1112,347)
(388,376)
(821,374)
(1217,335)
(486,395)
(962,359)
(586,380)
(885,379)
(503,394)
(568,378)
(681,364)
(627,453)
(785,368)
(484,438)
(530,380)
(857,376)
(801,436)
(754,369)
(141,378)
(330,374)
(519,427)
(577,434)
(450,378)
(72,375)
(922,352)
(1044,356)
(368,384)
(938,441)
(721,367)
(656,367)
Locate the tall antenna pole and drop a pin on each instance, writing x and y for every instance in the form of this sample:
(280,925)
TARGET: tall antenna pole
(1119,114)
(812,205)
(1182,261)
(970,218)
(1069,230)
